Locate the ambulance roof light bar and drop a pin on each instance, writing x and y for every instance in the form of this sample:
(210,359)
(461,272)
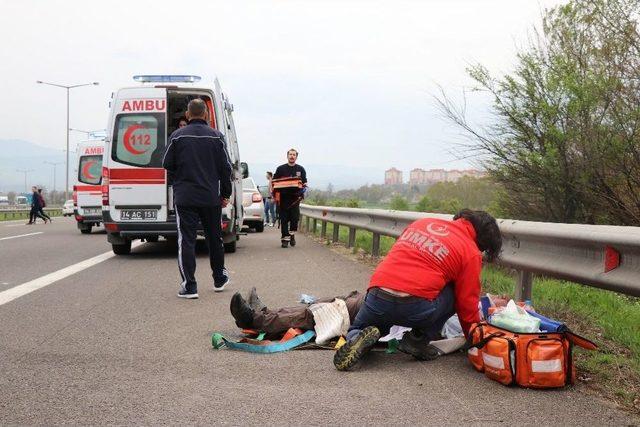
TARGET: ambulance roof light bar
(158,78)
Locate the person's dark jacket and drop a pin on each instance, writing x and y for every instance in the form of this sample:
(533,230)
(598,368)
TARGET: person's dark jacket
(198,161)
(43,204)
(35,201)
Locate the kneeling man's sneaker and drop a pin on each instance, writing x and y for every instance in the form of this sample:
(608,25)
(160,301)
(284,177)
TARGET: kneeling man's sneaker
(418,346)
(349,355)
(183,293)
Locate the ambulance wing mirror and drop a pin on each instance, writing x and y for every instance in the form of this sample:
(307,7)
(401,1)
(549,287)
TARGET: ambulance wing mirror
(244,168)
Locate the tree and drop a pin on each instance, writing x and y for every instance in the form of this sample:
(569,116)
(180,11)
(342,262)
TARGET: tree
(11,195)
(565,139)
(399,203)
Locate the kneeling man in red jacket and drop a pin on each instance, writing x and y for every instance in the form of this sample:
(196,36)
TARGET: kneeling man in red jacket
(432,271)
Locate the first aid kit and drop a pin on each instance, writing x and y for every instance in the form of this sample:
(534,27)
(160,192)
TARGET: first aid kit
(533,360)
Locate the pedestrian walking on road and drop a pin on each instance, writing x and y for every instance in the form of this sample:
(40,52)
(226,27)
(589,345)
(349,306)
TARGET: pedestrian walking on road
(432,271)
(36,207)
(269,203)
(43,205)
(290,198)
(198,159)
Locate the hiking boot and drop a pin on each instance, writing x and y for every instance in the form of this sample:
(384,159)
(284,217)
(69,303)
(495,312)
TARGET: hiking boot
(284,242)
(292,240)
(241,311)
(417,346)
(254,300)
(349,355)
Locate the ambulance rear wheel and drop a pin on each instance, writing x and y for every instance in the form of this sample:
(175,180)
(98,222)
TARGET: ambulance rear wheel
(122,249)
(230,247)
(260,227)
(86,229)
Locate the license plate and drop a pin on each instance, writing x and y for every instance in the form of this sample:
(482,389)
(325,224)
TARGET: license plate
(138,214)
(94,211)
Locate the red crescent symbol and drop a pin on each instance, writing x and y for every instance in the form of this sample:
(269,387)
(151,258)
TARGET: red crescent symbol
(86,167)
(127,139)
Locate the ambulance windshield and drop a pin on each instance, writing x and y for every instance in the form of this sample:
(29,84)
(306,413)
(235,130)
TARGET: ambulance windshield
(90,170)
(139,139)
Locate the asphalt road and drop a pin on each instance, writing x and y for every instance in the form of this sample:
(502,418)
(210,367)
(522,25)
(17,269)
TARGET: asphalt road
(111,344)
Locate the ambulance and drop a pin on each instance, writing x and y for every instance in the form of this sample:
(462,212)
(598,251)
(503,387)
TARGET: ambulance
(87,194)
(137,197)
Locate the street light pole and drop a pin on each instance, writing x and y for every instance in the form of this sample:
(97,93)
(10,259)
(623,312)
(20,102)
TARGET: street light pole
(66,180)
(25,172)
(54,164)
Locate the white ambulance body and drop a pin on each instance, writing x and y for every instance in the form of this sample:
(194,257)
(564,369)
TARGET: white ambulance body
(87,194)
(137,199)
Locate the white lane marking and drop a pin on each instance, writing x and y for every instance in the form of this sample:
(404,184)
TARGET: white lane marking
(21,235)
(16,225)
(35,284)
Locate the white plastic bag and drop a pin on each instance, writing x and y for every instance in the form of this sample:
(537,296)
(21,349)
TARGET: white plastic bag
(515,319)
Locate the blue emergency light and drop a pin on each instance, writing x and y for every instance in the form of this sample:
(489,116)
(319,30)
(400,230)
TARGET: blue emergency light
(158,78)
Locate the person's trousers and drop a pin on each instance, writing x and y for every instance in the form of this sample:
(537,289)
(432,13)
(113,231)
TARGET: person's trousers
(188,220)
(289,217)
(43,214)
(269,211)
(36,213)
(383,310)
(299,316)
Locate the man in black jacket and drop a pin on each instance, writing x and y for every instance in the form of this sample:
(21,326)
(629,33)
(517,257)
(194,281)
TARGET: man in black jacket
(290,198)
(199,163)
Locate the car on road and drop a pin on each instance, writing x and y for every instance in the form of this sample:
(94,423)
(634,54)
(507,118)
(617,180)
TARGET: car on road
(137,193)
(253,205)
(67,208)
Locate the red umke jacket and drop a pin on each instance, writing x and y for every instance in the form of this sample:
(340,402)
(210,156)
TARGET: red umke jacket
(429,254)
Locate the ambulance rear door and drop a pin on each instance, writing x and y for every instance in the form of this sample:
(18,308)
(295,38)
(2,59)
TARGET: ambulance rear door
(137,181)
(226,126)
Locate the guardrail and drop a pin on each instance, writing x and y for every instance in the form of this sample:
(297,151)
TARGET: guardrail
(601,256)
(21,213)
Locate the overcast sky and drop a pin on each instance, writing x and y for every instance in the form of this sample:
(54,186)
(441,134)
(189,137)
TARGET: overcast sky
(345,82)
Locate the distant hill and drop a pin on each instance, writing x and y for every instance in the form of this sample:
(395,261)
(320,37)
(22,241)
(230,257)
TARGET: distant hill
(18,154)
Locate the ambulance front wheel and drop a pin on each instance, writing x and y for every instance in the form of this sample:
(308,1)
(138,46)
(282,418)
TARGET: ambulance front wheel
(122,249)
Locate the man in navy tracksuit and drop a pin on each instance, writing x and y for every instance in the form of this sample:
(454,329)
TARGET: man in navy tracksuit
(201,171)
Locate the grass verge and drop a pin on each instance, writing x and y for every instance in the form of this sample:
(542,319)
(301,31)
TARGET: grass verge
(609,319)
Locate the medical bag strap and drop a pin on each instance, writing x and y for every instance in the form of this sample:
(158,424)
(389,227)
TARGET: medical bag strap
(218,341)
(580,341)
(469,344)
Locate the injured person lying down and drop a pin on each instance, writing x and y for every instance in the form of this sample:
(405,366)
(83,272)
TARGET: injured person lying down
(331,317)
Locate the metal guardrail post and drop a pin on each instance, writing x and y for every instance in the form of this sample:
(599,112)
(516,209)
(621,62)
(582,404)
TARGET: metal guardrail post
(336,233)
(524,283)
(375,248)
(315,226)
(307,222)
(323,230)
(352,237)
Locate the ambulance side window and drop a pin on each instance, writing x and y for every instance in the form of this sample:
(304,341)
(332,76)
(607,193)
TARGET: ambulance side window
(139,139)
(90,170)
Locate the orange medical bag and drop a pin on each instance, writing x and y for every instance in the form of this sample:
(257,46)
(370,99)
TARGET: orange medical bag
(535,360)
(282,183)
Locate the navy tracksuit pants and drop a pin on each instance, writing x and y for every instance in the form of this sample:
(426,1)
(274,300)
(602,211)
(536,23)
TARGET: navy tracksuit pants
(188,220)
